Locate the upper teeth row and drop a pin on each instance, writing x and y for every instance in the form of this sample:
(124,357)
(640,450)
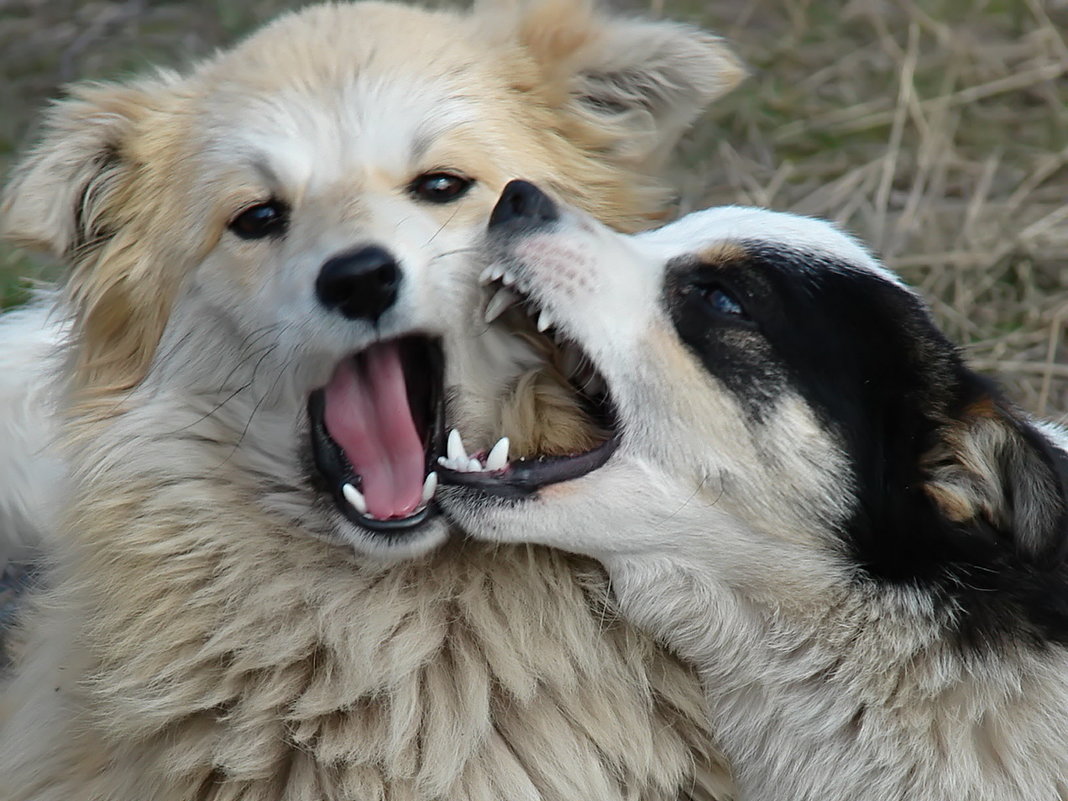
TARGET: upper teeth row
(456,457)
(497,272)
(359,503)
(505,297)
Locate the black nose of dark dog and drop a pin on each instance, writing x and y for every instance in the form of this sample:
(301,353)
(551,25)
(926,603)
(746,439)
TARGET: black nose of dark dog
(361,284)
(523,203)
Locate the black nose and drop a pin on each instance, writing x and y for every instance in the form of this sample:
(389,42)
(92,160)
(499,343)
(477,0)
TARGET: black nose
(523,203)
(361,284)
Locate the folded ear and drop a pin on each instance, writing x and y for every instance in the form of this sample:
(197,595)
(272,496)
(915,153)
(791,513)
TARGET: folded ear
(72,195)
(642,81)
(993,467)
(58,196)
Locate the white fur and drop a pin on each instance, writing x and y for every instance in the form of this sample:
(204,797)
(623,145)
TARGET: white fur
(718,535)
(31,472)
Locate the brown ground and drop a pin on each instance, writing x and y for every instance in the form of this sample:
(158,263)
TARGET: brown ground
(937,130)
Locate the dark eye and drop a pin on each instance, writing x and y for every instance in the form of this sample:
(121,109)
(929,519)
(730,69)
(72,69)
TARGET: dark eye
(723,302)
(439,187)
(261,220)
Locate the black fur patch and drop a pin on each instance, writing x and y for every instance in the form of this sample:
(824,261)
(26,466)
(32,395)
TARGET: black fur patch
(867,357)
(731,348)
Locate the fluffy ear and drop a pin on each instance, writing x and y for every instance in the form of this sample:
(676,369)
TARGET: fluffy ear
(642,81)
(994,468)
(59,194)
(72,195)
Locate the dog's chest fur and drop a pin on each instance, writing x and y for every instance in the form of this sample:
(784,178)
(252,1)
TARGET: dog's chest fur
(861,696)
(271,666)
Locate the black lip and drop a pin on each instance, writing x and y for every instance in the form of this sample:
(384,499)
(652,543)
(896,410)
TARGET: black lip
(424,374)
(388,528)
(524,477)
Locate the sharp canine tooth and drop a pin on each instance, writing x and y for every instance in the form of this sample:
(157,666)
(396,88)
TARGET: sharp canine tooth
(499,303)
(544,320)
(430,486)
(474,466)
(355,497)
(455,447)
(498,456)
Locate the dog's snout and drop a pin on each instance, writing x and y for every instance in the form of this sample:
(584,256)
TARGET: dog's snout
(523,203)
(361,284)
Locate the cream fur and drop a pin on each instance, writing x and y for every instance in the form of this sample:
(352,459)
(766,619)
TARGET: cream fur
(211,629)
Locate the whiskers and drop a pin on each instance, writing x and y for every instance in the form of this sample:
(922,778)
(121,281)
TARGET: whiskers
(455,252)
(253,351)
(282,369)
(443,226)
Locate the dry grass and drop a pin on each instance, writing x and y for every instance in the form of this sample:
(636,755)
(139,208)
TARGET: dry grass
(937,130)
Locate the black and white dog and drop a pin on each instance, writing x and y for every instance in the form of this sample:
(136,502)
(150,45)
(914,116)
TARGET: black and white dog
(806,492)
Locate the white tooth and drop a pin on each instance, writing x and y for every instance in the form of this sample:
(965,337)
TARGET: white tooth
(459,465)
(355,497)
(499,303)
(486,275)
(544,320)
(455,448)
(496,271)
(498,456)
(430,486)
(474,466)
(507,278)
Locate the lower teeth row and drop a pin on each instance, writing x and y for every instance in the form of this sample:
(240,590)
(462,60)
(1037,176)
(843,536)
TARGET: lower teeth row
(458,460)
(359,503)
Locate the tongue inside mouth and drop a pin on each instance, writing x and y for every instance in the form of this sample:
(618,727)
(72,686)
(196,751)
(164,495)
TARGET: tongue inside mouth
(368,414)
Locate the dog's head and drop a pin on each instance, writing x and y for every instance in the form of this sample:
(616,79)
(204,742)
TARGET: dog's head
(774,401)
(277,241)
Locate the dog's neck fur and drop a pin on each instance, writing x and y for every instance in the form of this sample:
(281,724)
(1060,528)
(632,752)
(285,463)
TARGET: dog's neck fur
(856,692)
(265,664)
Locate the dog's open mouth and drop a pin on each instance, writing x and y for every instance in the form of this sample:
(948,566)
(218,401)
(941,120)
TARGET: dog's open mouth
(510,305)
(376,430)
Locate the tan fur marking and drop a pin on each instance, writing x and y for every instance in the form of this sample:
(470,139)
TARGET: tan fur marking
(723,254)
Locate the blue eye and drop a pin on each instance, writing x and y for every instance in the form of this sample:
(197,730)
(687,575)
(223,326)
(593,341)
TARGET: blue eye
(724,302)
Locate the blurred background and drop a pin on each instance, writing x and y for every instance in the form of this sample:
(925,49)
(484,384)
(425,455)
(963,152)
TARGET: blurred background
(937,130)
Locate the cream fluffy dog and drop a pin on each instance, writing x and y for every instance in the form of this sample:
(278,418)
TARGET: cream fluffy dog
(268,255)
(805,491)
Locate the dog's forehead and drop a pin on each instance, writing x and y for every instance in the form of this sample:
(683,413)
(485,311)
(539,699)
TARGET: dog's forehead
(341,86)
(308,136)
(732,234)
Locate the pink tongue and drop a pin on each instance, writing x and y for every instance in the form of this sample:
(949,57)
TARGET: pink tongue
(367,414)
